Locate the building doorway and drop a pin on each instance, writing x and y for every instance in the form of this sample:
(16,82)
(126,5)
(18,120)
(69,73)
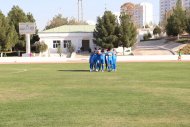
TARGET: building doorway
(85,45)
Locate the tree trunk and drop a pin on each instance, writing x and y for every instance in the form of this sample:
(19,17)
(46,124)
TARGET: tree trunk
(178,37)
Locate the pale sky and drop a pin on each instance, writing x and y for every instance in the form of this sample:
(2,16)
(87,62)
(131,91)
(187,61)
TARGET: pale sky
(45,10)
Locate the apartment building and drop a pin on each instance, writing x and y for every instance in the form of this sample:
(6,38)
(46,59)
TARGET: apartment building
(142,14)
(167,5)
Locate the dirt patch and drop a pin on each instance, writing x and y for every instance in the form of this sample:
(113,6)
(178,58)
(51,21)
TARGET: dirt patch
(14,95)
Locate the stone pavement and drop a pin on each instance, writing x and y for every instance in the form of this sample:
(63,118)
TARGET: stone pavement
(157,47)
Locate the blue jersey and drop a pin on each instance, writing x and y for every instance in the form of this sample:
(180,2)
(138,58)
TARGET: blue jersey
(91,59)
(114,57)
(95,58)
(98,58)
(102,58)
(109,55)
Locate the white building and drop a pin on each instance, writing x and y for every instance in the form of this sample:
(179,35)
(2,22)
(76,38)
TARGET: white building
(76,35)
(142,14)
(167,5)
(147,13)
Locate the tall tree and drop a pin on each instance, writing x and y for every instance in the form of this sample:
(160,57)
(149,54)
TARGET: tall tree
(35,37)
(73,21)
(176,23)
(105,32)
(3,30)
(12,38)
(58,20)
(17,15)
(8,34)
(127,31)
(30,17)
(164,21)
(188,20)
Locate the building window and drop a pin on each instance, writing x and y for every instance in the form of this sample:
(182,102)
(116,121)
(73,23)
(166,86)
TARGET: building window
(66,43)
(56,43)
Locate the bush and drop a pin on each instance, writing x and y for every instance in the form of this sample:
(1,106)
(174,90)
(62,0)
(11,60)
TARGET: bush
(145,37)
(71,49)
(183,40)
(147,26)
(89,50)
(157,30)
(82,49)
(40,47)
(149,35)
(59,50)
(16,53)
(186,49)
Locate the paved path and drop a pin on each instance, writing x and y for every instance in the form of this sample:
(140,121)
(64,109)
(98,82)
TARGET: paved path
(138,58)
(157,47)
(149,51)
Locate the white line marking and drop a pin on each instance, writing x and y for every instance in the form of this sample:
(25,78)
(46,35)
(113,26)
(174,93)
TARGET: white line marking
(18,71)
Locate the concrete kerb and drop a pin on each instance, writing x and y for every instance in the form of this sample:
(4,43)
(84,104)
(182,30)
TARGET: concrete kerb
(173,52)
(140,58)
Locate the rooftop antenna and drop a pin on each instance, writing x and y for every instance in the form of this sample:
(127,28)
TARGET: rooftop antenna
(80,10)
(105,5)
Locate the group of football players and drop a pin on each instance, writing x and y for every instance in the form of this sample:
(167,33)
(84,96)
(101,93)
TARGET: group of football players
(101,60)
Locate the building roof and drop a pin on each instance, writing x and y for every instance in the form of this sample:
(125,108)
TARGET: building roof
(71,29)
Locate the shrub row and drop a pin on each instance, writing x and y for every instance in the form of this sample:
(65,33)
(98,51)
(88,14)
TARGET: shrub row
(10,54)
(186,49)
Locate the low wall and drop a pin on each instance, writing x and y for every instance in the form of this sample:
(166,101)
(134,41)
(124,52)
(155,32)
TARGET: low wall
(150,58)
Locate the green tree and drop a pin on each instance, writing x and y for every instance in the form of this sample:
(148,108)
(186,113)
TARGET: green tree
(58,20)
(8,35)
(17,15)
(145,37)
(3,30)
(188,21)
(30,17)
(35,38)
(73,21)
(164,21)
(12,38)
(176,23)
(188,25)
(157,31)
(127,31)
(105,31)
(171,27)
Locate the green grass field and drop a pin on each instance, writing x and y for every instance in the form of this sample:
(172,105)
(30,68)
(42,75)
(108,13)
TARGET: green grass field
(68,95)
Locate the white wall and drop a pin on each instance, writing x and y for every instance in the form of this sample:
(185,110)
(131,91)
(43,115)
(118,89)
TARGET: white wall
(76,40)
(151,58)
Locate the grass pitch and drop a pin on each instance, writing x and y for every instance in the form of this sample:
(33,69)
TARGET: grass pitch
(68,95)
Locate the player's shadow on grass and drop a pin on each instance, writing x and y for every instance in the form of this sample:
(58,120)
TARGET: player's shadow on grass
(74,70)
